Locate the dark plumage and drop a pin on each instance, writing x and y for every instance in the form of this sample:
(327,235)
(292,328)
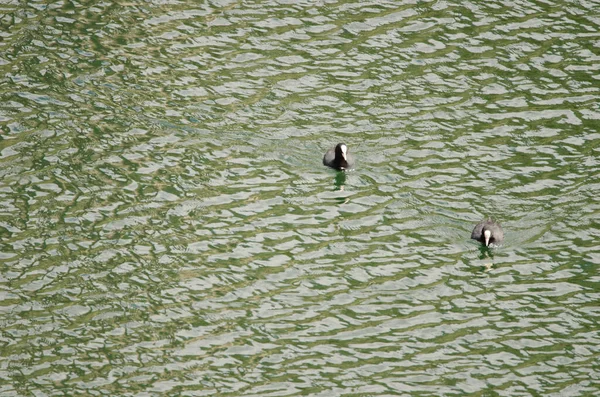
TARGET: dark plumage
(488,232)
(338,157)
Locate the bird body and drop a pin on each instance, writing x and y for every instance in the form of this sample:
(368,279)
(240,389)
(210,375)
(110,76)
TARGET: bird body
(338,157)
(488,232)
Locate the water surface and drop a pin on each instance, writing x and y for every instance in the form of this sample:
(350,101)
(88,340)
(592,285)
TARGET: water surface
(167,228)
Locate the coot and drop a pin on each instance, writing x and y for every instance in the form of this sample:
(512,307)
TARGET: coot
(488,232)
(338,157)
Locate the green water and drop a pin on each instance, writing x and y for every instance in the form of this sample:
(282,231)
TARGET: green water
(167,227)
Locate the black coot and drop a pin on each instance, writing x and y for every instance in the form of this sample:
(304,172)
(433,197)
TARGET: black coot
(338,157)
(488,232)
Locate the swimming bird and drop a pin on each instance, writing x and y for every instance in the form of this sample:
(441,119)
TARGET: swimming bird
(488,232)
(338,157)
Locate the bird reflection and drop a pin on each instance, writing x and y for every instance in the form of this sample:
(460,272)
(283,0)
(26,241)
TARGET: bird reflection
(340,180)
(486,253)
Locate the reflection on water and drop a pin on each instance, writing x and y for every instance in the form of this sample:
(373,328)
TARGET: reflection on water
(340,180)
(167,226)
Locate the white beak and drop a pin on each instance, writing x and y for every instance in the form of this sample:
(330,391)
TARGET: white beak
(344,150)
(487,235)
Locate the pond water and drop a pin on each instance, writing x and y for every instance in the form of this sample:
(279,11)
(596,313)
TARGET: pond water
(167,227)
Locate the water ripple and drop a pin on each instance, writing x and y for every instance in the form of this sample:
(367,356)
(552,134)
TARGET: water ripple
(166,226)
